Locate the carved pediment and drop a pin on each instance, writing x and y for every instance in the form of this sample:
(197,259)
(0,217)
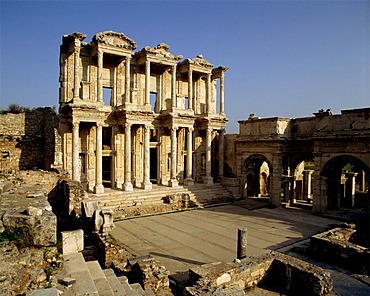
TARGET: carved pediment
(161,51)
(200,61)
(111,38)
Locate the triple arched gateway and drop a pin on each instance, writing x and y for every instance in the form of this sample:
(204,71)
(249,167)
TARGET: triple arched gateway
(322,159)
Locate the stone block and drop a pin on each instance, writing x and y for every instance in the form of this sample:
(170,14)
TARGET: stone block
(33,211)
(72,241)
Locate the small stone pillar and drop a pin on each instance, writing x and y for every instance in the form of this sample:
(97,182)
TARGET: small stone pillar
(350,189)
(242,243)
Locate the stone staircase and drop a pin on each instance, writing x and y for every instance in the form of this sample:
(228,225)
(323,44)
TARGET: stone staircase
(141,202)
(90,279)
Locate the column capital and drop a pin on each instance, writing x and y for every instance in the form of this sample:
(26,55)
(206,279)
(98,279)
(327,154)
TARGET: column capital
(190,129)
(127,125)
(173,128)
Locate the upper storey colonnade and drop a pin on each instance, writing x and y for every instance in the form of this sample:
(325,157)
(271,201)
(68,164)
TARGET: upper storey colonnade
(107,72)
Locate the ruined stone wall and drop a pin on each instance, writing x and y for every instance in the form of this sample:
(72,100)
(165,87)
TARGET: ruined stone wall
(27,140)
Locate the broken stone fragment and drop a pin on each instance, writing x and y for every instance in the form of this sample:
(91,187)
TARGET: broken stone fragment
(67,281)
(33,211)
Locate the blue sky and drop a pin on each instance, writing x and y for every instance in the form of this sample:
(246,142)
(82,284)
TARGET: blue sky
(286,58)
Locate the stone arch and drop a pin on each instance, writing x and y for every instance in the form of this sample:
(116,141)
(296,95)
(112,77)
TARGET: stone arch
(257,169)
(336,180)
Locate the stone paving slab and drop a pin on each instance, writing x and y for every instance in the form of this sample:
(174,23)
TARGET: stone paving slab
(187,239)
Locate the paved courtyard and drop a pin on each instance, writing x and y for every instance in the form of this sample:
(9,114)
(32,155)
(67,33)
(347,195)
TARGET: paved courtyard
(182,240)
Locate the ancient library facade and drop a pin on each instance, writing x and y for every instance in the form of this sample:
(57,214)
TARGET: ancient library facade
(137,118)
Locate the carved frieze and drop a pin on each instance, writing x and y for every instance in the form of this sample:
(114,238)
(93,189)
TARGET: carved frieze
(115,39)
(160,51)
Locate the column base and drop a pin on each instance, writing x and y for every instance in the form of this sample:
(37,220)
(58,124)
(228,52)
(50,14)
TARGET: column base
(128,187)
(173,183)
(208,180)
(147,185)
(119,184)
(189,182)
(99,189)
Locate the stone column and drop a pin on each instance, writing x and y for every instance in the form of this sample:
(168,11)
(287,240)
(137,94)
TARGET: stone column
(350,189)
(127,80)
(128,185)
(173,182)
(222,93)
(146,185)
(75,152)
(307,178)
(99,160)
(208,178)
(76,86)
(208,94)
(189,159)
(190,89)
(147,82)
(173,87)
(100,76)
(221,153)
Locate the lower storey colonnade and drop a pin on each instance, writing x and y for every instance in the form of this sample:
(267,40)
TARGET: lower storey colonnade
(140,155)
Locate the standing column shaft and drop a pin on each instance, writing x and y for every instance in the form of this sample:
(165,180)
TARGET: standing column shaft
(208,178)
(222,93)
(127,79)
(189,159)
(173,87)
(221,153)
(75,152)
(99,157)
(100,76)
(76,87)
(208,107)
(173,182)
(128,185)
(242,243)
(190,89)
(147,82)
(146,182)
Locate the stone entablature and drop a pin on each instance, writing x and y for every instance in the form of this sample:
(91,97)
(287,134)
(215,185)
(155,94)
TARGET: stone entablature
(132,118)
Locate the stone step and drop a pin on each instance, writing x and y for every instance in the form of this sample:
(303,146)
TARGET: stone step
(114,282)
(137,288)
(126,286)
(98,276)
(76,268)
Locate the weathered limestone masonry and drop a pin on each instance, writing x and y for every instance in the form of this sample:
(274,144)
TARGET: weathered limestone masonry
(29,140)
(130,119)
(274,272)
(271,155)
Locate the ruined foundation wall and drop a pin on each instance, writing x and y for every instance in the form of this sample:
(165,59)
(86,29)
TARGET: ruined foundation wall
(27,140)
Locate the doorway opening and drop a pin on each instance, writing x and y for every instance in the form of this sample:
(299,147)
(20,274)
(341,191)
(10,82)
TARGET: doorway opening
(107,171)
